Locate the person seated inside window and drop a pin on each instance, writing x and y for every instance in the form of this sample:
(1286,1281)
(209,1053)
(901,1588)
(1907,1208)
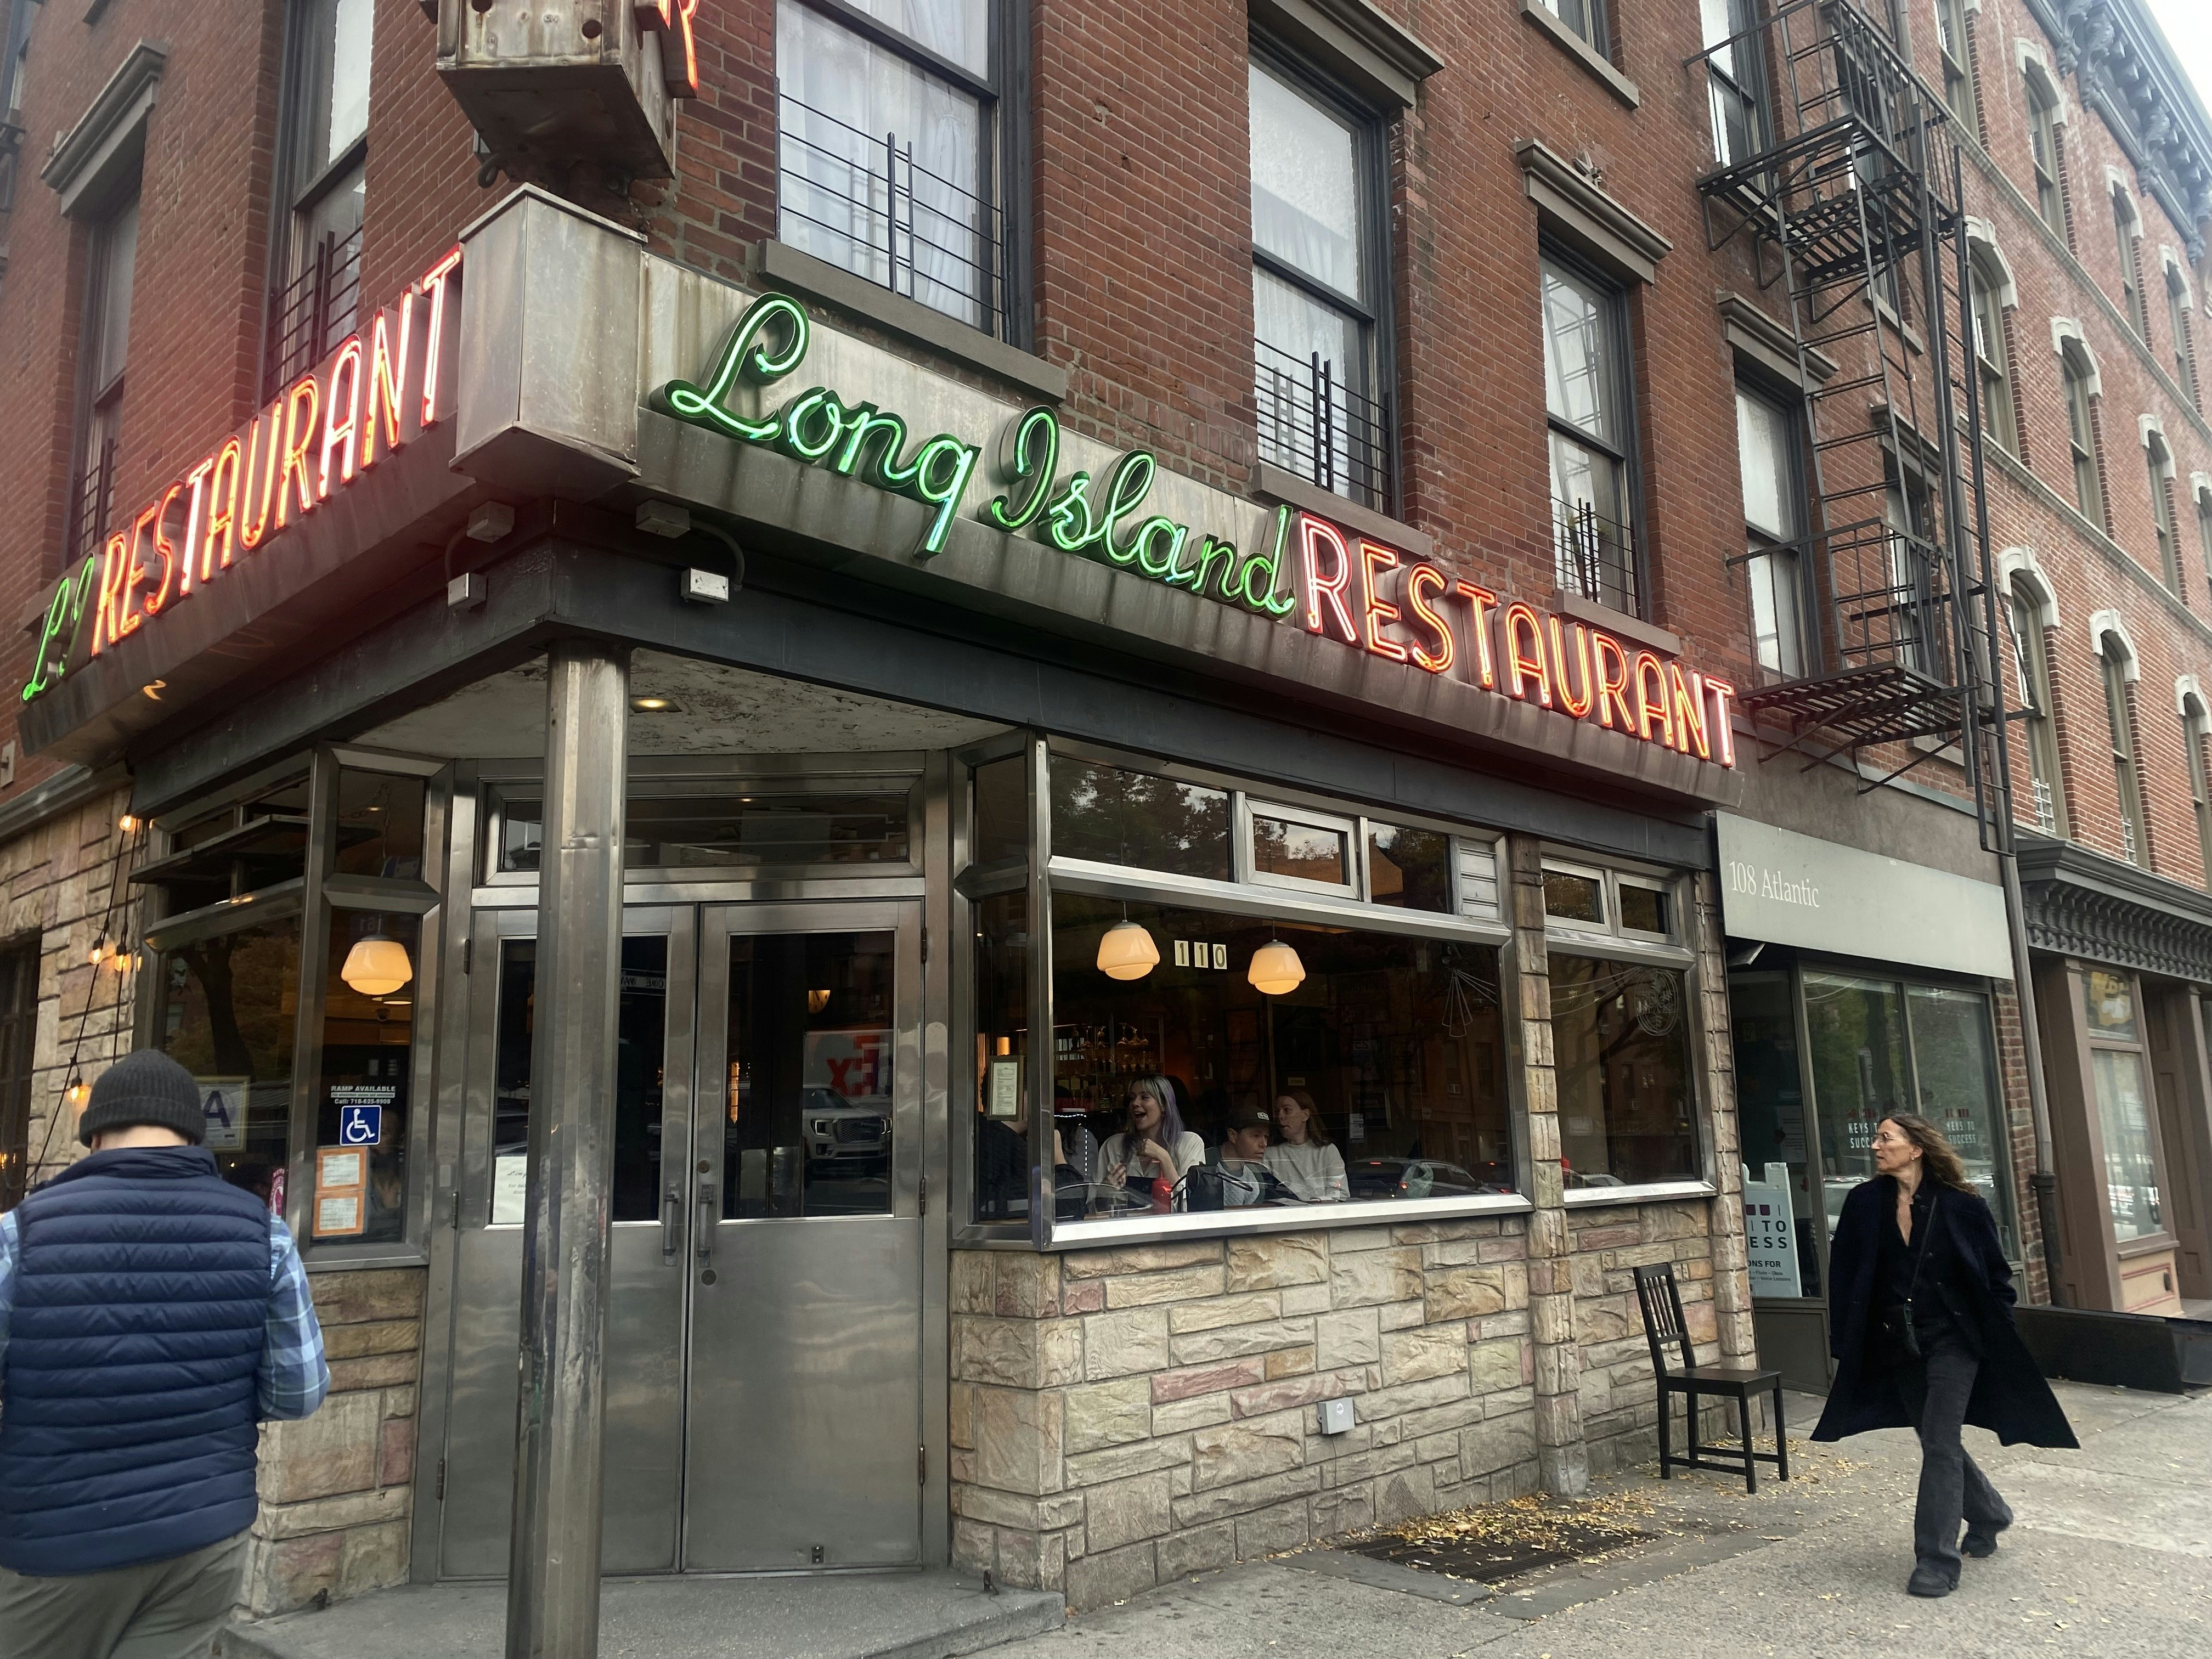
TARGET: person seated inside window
(1302,1158)
(1242,1169)
(1154,1152)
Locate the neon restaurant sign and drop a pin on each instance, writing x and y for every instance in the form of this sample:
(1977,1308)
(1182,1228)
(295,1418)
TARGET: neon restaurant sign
(377,390)
(1331,582)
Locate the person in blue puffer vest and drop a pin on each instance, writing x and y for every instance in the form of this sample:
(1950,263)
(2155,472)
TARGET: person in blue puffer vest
(152,1316)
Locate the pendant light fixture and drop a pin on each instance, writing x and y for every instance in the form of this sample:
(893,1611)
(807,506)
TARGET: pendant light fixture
(1276,971)
(377,966)
(1127,952)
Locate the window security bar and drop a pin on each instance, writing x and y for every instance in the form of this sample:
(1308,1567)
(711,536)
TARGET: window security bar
(314,310)
(91,493)
(1314,424)
(867,205)
(1594,556)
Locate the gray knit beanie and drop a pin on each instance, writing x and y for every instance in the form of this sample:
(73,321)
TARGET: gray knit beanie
(145,1087)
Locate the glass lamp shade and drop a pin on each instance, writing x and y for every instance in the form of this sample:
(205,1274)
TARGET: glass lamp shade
(1276,970)
(1127,951)
(376,967)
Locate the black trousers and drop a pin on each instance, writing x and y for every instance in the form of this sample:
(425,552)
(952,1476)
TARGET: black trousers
(1936,1387)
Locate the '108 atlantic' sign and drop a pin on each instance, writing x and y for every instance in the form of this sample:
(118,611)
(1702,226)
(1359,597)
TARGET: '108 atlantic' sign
(1331,582)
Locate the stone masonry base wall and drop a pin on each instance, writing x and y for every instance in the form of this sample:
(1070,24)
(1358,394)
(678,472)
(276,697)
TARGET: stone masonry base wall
(1123,1416)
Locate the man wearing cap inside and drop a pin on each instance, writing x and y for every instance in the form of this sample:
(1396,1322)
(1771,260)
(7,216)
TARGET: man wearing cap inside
(152,1316)
(1245,1177)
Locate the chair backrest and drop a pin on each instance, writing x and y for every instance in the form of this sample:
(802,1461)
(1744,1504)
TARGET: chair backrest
(1662,1317)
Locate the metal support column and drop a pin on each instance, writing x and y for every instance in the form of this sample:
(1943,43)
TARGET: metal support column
(553,1570)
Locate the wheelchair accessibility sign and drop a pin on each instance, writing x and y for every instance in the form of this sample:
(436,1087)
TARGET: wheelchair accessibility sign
(361,1126)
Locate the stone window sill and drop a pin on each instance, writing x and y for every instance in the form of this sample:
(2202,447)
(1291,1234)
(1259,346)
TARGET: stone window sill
(1656,1192)
(1583,53)
(1283,1218)
(911,320)
(1618,624)
(1287,488)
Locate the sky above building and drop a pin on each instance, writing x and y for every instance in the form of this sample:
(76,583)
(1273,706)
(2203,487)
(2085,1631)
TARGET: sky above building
(2188,26)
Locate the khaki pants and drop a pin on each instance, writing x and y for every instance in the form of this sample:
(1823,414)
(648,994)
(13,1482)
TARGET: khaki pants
(160,1610)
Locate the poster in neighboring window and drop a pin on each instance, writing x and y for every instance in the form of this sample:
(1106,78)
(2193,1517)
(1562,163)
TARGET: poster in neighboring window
(223,1100)
(341,1191)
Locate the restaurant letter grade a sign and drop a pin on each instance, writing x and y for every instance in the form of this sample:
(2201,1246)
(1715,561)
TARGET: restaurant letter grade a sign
(381,386)
(1332,582)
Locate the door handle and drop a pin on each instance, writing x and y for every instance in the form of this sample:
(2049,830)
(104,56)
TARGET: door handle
(706,1219)
(671,1218)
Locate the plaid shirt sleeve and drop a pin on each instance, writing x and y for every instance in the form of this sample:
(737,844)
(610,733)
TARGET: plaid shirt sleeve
(294,1378)
(6,1281)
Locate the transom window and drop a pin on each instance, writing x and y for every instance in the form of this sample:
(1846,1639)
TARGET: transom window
(1317,293)
(1587,401)
(887,131)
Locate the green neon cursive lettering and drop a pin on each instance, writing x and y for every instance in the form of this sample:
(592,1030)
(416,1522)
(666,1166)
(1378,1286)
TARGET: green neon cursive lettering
(941,472)
(1028,448)
(747,356)
(1262,597)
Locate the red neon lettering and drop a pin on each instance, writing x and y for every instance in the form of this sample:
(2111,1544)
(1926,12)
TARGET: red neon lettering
(1723,727)
(680,15)
(134,573)
(1649,675)
(1438,661)
(387,377)
(254,520)
(1689,711)
(336,435)
(1373,557)
(1521,667)
(107,626)
(1577,706)
(1612,687)
(1480,602)
(166,551)
(298,435)
(433,285)
(195,481)
(223,508)
(1312,532)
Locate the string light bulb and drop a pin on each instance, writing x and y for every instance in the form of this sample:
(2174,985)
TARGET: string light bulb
(76,1094)
(128,823)
(99,951)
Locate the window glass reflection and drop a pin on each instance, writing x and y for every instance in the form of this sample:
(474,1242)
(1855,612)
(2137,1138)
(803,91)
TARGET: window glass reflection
(1001,828)
(1861,1073)
(2131,1167)
(228,1005)
(1378,1075)
(1303,851)
(1621,1043)
(759,830)
(1409,868)
(2108,1003)
(380,824)
(362,1103)
(1573,898)
(1112,817)
(1954,1061)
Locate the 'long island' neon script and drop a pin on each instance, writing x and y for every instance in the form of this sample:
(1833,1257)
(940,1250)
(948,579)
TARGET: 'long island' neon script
(378,389)
(1342,585)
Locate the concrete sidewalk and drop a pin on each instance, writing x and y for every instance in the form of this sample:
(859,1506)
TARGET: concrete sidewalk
(2111,1554)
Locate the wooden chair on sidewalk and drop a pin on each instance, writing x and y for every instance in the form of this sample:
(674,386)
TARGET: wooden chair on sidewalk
(1664,1329)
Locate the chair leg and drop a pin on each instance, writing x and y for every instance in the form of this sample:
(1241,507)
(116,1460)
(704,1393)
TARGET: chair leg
(1691,1462)
(1781,1434)
(1743,1432)
(1666,1434)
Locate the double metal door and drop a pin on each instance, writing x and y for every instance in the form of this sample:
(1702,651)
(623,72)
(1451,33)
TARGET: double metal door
(763,1366)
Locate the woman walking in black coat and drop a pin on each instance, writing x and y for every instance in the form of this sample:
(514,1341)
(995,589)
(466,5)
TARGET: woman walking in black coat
(1920,1322)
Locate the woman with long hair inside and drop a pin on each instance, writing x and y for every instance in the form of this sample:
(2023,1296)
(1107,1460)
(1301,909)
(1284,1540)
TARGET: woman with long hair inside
(1920,1301)
(1302,1158)
(1155,1147)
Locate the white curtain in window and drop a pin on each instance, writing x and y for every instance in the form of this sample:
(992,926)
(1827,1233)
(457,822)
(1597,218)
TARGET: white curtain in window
(956,29)
(880,162)
(1305,184)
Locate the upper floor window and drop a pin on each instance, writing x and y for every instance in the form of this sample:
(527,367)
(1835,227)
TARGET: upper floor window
(1734,79)
(2159,460)
(323,168)
(2120,721)
(2195,725)
(2032,666)
(1905,628)
(2184,352)
(1586,18)
(2043,145)
(2204,529)
(2081,436)
(1958,66)
(887,119)
(1990,357)
(1588,402)
(106,345)
(1318,260)
(2125,230)
(1774,525)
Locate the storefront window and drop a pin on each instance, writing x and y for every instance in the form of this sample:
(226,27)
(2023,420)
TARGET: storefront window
(227,1014)
(1770,1121)
(362,1106)
(1409,868)
(2130,1168)
(1372,1068)
(2108,1003)
(1109,815)
(1002,1060)
(380,824)
(1001,824)
(1954,1058)
(1621,1043)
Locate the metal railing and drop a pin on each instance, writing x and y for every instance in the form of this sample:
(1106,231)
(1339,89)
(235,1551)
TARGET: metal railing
(92,494)
(313,311)
(862,201)
(1313,422)
(1594,556)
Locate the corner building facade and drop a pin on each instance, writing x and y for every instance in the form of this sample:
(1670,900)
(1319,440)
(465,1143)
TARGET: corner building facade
(1217,579)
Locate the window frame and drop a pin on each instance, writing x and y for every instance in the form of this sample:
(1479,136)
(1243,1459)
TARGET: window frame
(1001,100)
(1956,61)
(1372,311)
(2043,124)
(96,437)
(299,186)
(1761,548)
(2158,460)
(1597,13)
(1749,92)
(2202,501)
(1613,294)
(2184,350)
(1994,364)
(2127,237)
(2082,435)
(2195,729)
(2127,778)
(2031,659)
(2092,1040)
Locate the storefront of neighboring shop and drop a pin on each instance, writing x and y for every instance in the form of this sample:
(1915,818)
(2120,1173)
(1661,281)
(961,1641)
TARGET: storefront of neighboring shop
(972,779)
(1859,985)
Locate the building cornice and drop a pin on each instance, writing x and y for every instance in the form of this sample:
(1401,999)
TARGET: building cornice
(2083,904)
(2127,73)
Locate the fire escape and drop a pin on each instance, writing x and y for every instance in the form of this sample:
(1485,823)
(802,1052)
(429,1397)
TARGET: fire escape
(1851,202)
